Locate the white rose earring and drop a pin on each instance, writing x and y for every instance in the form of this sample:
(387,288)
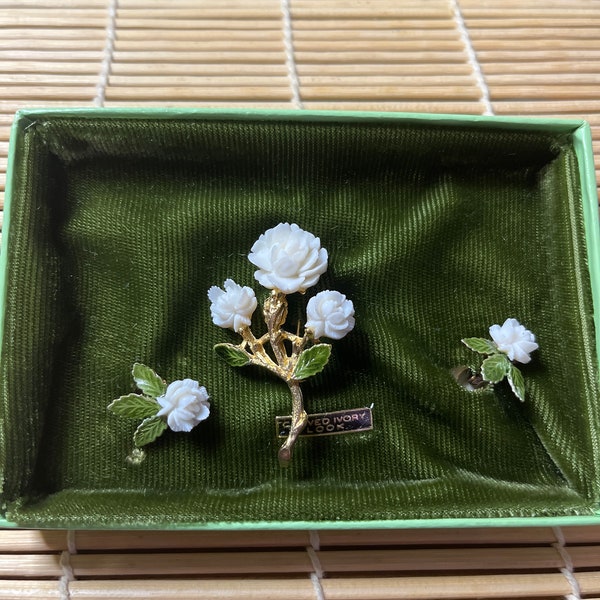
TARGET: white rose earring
(511,342)
(289,260)
(179,406)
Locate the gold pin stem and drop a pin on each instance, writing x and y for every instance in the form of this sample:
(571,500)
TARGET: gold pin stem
(258,355)
(299,420)
(275,312)
(298,345)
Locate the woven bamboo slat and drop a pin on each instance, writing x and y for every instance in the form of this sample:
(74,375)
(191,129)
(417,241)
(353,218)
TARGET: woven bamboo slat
(401,23)
(22,541)
(366,560)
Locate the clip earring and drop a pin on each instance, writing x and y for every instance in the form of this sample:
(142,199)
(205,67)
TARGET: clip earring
(511,343)
(179,406)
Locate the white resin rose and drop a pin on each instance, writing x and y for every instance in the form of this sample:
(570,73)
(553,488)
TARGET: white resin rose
(514,340)
(330,314)
(185,404)
(232,308)
(288,258)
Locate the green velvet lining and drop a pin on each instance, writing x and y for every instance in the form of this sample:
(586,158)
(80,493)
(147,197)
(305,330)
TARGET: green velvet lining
(119,227)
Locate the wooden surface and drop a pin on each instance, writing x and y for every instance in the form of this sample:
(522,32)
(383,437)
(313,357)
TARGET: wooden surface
(504,57)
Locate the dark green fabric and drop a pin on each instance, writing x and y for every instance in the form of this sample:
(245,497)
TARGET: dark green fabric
(119,227)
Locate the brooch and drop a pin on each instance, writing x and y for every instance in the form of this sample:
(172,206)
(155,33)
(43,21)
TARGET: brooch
(289,260)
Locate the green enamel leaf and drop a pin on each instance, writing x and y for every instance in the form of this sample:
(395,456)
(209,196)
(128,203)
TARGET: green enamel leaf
(232,355)
(495,368)
(517,383)
(480,345)
(148,381)
(148,431)
(312,361)
(134,406)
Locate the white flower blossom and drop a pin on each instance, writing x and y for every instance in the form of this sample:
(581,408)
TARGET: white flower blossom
(288,258)
(232,308)
(185,404)
(514,340)
(330,314)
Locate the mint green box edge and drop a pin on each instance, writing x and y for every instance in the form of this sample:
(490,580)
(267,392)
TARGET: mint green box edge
(582,144)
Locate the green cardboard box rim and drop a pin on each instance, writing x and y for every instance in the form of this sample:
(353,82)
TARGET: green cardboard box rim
(67,166)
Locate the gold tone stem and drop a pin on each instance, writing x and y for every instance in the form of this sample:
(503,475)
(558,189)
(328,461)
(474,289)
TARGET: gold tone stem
(275,312)
(299,420)
(298,344)
(259,355)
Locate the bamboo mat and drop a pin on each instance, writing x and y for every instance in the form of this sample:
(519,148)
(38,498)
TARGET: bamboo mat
(538,563)
(504,57)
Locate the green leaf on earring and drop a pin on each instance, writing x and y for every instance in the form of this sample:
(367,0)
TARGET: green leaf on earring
(232,355)
(517,383)
(149,430)
(134,406)
(480,345)
(312,361)
(495,368)
(148,381)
